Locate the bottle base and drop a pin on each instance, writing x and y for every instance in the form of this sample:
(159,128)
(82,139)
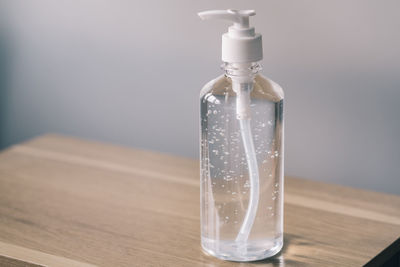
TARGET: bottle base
(254,251)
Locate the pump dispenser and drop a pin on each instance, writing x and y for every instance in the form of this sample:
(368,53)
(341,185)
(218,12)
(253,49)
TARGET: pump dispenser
(241,150)
(240,43)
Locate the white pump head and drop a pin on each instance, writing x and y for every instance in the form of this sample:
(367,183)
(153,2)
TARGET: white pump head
(240,44)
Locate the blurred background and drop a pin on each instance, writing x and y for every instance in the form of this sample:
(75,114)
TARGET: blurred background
(130,73)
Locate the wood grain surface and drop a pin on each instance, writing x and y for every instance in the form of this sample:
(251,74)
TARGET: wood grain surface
(69,202)
(10,262)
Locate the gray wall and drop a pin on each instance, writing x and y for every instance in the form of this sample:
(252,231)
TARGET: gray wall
(130,72)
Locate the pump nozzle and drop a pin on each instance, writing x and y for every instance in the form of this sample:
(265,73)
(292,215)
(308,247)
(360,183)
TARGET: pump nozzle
(240,44)
(240,18)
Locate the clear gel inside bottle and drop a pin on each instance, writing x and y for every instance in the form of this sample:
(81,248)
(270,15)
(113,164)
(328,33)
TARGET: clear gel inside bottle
(228,183)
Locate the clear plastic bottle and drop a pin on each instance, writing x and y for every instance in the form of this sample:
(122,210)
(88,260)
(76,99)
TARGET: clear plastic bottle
(241,150)
(226,182)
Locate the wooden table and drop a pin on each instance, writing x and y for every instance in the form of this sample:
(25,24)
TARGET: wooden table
(68,202)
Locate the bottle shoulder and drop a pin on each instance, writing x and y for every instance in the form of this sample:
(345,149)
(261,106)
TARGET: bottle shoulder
(263,88)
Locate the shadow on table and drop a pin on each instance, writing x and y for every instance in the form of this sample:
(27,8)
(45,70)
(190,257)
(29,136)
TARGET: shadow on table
(281,259)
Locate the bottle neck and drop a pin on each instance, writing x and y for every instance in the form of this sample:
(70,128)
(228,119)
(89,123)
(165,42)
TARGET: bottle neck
(241,70)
